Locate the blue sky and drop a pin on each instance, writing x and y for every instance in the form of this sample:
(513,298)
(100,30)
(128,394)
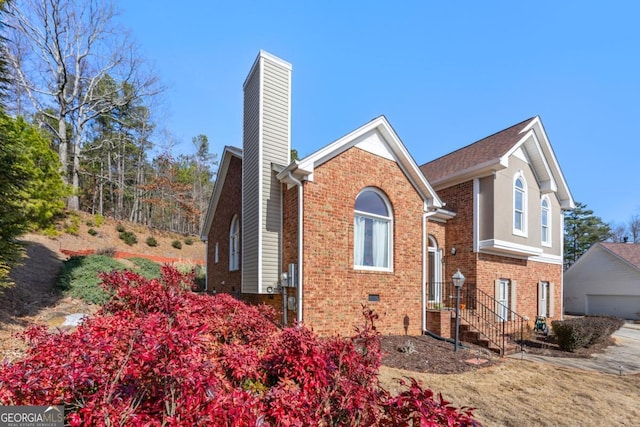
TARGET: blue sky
(444,73)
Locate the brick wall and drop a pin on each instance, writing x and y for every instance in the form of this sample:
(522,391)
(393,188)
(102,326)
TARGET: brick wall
(527,275)
(459,231)
(290,238)
(219,278)
(484,269)
(334,291)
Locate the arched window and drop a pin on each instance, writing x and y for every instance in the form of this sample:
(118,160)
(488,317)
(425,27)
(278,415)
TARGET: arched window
(519,205)
(234,244)
(545,221)
(373,231)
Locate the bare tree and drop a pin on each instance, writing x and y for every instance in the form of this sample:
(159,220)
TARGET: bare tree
(634,228)
(618,233)
(73,46)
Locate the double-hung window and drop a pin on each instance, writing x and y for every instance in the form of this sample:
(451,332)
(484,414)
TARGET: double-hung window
(545,221)
(519,206)
(373,231)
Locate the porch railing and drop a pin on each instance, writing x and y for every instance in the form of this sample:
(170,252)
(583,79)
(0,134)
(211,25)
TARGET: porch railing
(495,321)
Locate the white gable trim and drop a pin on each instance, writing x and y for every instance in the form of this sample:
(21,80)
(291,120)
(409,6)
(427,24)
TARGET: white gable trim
(564,194)
(372,143)
(378,137)
(217,188)
(530,147)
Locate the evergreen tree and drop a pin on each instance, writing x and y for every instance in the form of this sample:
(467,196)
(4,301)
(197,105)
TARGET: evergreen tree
(581,230)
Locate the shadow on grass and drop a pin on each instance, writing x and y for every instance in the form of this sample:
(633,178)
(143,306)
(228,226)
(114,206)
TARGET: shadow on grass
(30,287)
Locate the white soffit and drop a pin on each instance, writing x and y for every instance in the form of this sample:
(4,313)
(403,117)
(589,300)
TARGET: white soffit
(520,155)
(373,143)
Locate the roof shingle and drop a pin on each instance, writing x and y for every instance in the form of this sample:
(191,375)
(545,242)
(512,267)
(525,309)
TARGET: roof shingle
(484,150)
(626,251)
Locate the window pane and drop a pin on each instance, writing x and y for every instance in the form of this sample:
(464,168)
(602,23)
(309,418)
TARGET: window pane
(519,200)
(517,220)
(371,202)
(371,245)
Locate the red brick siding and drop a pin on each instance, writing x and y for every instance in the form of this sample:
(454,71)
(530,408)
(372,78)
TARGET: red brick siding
(527,274)
(484,269)
(333,291)
(438,231)
(219,278)
(459,231)
(290,237)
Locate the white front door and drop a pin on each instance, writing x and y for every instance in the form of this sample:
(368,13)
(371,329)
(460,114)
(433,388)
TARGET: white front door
(503,300)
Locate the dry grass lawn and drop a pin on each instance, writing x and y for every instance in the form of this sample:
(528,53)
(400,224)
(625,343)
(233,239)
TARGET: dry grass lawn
(523,393)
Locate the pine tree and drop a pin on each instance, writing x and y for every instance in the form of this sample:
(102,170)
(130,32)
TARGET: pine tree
(581,230)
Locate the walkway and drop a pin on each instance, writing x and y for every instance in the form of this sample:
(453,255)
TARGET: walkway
(620,359)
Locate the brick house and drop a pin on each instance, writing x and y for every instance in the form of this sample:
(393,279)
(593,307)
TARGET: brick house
(358,222)
(509,195)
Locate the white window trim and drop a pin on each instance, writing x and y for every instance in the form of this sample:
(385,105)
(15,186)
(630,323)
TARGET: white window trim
(385,199)
(549,240)
(234,234)
(524,231)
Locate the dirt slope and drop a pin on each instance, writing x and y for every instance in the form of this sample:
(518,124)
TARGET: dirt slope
(31,299)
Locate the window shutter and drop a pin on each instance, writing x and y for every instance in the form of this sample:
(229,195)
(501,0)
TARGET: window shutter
(496,295)
(551,298)
(540,302)
(514,297)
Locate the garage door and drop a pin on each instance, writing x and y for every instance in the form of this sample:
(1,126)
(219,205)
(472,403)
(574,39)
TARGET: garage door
(625,306)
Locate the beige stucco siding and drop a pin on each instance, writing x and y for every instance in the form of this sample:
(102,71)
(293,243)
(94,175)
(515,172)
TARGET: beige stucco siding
(485,208)
(504,208)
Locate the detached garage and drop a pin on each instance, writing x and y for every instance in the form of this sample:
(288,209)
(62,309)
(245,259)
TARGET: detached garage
(605,281)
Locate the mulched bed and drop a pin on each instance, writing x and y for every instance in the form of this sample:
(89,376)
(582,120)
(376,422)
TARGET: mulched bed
(434,356)
(548,346)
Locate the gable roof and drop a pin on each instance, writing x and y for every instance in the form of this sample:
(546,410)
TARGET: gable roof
(628,252)
(492,153)
(227,154)
(378,137)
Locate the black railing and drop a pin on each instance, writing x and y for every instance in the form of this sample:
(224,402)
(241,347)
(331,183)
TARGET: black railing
(495,321)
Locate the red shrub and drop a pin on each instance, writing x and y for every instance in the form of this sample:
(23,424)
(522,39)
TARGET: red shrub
(158,354)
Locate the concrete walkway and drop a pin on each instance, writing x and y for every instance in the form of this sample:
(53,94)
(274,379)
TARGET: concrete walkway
(622,358)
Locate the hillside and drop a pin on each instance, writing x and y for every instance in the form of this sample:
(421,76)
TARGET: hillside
(31,299)
(107,239)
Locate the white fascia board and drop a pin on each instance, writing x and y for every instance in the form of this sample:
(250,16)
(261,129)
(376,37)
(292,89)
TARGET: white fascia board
(548,259)
(502,246)
(564,193)
(409,166)
(227,153)
(540,163)
(395,145)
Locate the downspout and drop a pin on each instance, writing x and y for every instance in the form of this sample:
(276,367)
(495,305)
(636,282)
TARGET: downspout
(206,267)
(425,257)
(298,183)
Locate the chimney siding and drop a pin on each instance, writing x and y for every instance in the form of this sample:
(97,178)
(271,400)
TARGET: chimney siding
(266,141)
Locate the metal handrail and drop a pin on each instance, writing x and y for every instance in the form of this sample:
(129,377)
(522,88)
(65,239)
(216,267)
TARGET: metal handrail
(482,312)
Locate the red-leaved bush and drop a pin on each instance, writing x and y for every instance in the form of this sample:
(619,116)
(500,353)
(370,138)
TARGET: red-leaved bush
(158,354)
